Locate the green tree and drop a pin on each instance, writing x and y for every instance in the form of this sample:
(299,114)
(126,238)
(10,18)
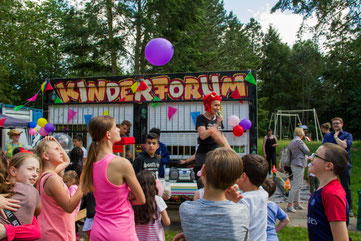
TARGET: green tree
(276,78)
(29,50)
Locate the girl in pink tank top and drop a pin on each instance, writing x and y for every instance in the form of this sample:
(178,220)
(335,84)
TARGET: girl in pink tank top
(56,220)
(112,181)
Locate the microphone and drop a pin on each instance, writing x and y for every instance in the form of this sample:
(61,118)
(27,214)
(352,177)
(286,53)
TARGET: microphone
(219,113)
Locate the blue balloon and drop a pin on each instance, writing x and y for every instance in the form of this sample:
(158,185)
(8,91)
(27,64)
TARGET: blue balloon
(32,124)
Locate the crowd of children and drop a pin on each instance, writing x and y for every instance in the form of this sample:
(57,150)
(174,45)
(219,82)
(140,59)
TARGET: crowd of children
(126,202)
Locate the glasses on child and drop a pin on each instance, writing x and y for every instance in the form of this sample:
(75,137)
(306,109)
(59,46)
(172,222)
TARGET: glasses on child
(314,155)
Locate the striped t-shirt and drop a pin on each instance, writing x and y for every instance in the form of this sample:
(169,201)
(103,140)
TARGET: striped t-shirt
(152,231)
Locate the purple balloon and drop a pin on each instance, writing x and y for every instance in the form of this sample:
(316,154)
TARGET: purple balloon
(159,51)
(43,132)
(246,124)
(49,127)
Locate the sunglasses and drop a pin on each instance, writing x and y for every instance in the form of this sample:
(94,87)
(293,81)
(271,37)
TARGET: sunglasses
(314,155)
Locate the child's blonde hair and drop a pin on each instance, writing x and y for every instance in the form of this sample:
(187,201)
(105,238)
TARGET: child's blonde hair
(71,176)
(41,148)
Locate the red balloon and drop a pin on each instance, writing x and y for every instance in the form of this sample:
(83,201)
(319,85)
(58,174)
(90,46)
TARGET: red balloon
(238,130)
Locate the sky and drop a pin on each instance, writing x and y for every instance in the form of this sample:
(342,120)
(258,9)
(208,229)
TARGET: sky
(286,23)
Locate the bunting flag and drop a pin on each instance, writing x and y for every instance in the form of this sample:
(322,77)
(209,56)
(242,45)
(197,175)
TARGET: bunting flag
(156,101)
(106,112)
(58,100)
(43,86)
(16,108)
(236,95)
(171,112)
(2,122)
(142,86)
(194,115)
(48,87)
(134,87)
(249,78)
(122,99)
(33,98)
(71,114)
(87,118)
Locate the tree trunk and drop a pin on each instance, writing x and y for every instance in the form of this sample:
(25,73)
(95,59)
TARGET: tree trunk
(113,53)
(138,39)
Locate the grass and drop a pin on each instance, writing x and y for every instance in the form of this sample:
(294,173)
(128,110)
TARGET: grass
(288,233)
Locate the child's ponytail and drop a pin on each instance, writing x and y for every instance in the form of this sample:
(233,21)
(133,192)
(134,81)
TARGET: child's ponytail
(97,128)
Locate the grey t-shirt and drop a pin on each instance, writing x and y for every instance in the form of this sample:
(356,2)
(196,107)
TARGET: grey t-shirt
(210,220)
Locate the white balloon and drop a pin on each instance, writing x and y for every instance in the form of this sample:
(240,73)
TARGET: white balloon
(233,120)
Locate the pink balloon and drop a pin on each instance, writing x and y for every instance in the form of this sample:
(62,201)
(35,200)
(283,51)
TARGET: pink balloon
(32,131)
(159,51)
(43,132)
(233,120)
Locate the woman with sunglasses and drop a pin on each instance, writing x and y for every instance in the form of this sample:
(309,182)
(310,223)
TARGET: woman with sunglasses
(328,211)
(298,150)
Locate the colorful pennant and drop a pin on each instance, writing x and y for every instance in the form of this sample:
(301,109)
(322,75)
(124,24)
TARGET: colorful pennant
(16,108)
(156,101)
(87,118)
(58,100)
(33,98)
(122,99)
(142,86)
(236,95)
(171,112)
(249,78)
(71,114)
(194,115)
(106,112)
(2,122)
(134,87)
(43,86)
(48,87)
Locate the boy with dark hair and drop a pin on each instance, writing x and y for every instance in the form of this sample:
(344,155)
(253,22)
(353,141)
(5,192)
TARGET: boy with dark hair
(328,210)
(255,169)
(148,160)
(124,129)
(162,153)
(214,217)
(274,212)
(78,142)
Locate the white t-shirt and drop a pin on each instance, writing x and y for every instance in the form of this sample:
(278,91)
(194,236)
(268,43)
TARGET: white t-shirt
(256,201)
(85,152)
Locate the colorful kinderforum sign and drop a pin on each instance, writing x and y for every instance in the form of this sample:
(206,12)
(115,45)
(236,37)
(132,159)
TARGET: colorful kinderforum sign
(164,87)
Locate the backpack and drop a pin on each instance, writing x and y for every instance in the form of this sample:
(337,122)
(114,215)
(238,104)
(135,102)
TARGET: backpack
(285,157)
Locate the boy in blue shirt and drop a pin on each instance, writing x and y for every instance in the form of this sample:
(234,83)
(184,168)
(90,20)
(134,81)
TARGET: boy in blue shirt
(274,213)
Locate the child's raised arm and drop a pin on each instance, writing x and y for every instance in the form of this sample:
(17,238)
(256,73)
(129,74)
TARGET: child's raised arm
(66,160)
(54,187)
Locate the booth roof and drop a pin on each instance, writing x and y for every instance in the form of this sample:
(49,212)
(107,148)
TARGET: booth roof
(12,122)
